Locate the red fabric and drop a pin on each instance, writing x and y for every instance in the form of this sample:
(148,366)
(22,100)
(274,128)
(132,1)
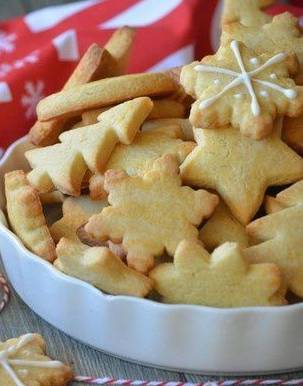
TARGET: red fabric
(39,51)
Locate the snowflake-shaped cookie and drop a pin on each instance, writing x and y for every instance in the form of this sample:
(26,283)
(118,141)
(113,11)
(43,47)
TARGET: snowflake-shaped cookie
(150,214)
(224,279)
(23,362)
(239,87)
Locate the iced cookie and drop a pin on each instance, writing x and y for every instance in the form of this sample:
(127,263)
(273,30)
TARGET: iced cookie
(235,86)
(23,362)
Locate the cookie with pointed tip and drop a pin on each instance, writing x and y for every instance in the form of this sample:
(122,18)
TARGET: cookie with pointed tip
(235,87)
(281,243)
(100,267)
(76,212)
(286,198)
(137,158)
(222,279)
(26,216)
(63,166)
(280,33)
(184,124)
(150,213)
(248,12)
(23,361)
(239,168)
(292,133)
(222,227)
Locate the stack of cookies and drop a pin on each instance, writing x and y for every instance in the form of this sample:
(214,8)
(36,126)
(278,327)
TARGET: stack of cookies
(165,179)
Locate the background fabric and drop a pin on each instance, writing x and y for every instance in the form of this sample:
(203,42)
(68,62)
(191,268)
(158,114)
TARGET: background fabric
(39,51)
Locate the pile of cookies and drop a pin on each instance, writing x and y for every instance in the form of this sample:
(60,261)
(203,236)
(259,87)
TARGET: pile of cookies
(165,179)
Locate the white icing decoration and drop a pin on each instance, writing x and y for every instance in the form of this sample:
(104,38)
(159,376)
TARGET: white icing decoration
(217,81)
(245,78)
(264,93)
(6,363)
(254,61)
(238,95)
(273,76)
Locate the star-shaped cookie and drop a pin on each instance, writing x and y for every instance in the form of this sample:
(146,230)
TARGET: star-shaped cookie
(23,362)
(63,165)
(137,158)
(249,14)
(150,213)
(282,244)
(224,279)
(239,168)
(235,86)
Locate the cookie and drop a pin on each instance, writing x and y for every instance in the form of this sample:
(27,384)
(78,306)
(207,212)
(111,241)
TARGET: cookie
(279,34)
(26,216)
(63,166)
(138,158)
(184,124)
(286,198)
(239,168)
(235,86)
(167,108)
(76,212)
(100,267)
(96,63)
(281,243)
(292,133)
(150,213)
(222,279)
(104,92)
(222,227)
(23,362)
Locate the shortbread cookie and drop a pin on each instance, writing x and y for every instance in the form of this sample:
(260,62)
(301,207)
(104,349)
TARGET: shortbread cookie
(150,214)
(222,227)
(138,158)
(76,212)
(281,34)
(286,198)
(272,205)
(96,63)
(185,125)
(235,86)
(239,168)
(246,11)
(26,216)
(63,166)
(23,362)
(292,133)
(167,108)
(100,267)
(90,117)
(223,279)
(104,92)
(282,244)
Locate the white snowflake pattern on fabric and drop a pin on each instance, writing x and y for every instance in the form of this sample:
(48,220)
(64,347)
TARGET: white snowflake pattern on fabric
(7,42)
(33,94)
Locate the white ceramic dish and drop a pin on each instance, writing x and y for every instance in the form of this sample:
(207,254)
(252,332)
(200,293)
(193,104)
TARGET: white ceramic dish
(191,338)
